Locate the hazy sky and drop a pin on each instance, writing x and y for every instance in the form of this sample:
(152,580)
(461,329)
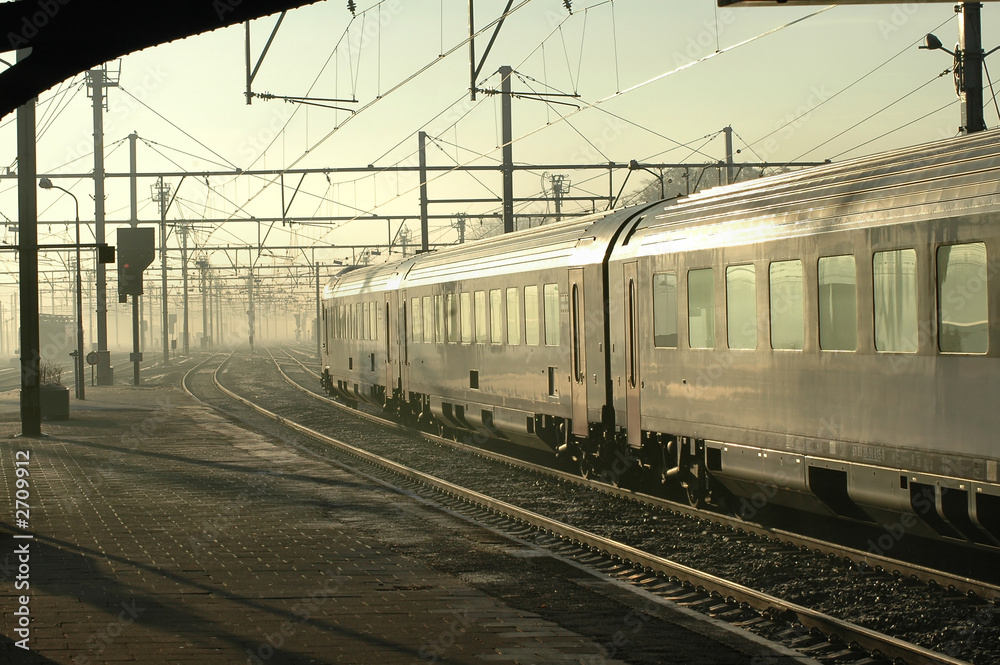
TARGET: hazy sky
(802,92)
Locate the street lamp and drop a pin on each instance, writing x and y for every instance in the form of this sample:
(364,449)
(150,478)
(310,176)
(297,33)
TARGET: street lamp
(45,183)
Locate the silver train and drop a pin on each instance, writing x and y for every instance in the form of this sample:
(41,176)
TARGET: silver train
(827,340)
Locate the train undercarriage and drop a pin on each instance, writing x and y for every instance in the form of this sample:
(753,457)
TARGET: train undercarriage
(698,471)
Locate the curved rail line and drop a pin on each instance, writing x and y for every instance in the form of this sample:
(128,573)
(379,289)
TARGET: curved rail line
(838,629)
(861,558)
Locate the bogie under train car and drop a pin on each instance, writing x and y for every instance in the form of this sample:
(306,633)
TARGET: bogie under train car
(826,340)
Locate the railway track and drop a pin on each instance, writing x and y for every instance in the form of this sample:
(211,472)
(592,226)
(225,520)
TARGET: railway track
(816,632)
(864,560)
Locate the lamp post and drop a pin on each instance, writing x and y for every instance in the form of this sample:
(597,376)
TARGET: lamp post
(45,183)
(969,64)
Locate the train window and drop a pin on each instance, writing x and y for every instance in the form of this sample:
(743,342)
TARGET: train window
(787,305)
(895,284)
(373,321)
(481,324)
(428,315)
(466,305)
(665,310)
(417,319)
(531,323)
(550,297)
(963,306)
(741,306)
(359,321)
(366,329)
(701,308)
(838,304)
(496,316)
(513,317)
(439,320)
(451,307)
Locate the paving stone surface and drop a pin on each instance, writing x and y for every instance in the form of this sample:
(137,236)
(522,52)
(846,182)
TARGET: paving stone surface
(161,532)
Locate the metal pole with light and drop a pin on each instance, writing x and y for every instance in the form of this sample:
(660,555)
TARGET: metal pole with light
(45,183)
(970,61)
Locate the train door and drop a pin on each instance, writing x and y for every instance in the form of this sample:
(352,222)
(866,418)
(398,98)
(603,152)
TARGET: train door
(390,335)
(578,356)
(633,382)
(404,346)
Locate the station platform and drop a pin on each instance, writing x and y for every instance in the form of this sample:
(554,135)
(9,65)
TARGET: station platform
(160,531)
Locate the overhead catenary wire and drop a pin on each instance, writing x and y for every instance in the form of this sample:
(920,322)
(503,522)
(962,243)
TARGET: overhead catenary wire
(486,156)
(872,115)
(398,86)
(896,129)
(864,76)
(591,105)
(175,126)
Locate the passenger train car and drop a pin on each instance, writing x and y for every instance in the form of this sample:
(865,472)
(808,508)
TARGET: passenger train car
(826,339)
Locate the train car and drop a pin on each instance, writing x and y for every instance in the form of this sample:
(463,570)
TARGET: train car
(826,339)
(359,334)
(503,337)
(506,336)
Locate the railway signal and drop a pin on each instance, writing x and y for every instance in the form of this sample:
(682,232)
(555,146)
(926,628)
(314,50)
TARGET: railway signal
(135,252)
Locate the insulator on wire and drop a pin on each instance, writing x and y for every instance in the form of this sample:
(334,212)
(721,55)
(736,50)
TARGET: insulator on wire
(568,4)
(352,7)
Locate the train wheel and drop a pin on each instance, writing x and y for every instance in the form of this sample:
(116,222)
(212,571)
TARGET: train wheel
(693,495)
(586,465)
(694,487)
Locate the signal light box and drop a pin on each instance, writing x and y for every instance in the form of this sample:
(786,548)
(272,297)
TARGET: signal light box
(135,253)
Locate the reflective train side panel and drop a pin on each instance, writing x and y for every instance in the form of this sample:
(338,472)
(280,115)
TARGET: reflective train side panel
(827,339)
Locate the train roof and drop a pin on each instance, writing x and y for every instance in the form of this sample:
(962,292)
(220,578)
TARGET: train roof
(576,242)
(935,180)
(366,279)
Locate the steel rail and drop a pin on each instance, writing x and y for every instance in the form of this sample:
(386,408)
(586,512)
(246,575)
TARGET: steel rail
(837,629)
(959,583)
